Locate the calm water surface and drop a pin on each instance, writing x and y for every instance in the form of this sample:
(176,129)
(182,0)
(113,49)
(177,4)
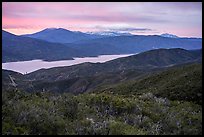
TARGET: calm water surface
(33,65)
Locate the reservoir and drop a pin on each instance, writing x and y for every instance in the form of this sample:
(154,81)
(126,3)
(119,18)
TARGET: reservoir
(24,67)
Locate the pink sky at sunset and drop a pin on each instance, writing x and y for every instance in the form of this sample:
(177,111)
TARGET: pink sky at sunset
(182,19)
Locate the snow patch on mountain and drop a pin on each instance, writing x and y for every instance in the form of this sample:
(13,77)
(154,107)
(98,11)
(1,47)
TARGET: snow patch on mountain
(169,35)
(110,33)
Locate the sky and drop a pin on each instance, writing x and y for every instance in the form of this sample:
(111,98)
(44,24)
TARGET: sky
(142,18)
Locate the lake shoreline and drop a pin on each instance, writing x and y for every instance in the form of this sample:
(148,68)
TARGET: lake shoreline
(25,67)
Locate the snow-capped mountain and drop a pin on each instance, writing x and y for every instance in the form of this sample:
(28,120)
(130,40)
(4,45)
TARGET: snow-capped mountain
(169,35)
(110,33)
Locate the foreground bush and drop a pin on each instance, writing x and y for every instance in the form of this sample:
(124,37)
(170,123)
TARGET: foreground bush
(101,113)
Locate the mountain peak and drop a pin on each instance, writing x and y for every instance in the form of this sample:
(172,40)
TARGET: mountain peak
(59,35)
(56,29)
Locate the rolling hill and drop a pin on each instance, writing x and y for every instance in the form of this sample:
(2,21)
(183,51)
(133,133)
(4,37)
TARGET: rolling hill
(147,60)
(88,76)
(182,82)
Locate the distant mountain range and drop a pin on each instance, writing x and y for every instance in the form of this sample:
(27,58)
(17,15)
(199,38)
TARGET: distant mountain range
(61,44)
(140,43)
(60,35)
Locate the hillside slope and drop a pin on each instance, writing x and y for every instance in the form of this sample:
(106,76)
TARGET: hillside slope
(166,103)
(178,83)
(148,60)
(88,76)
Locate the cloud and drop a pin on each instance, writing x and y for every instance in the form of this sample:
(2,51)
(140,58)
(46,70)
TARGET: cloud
(101,12)
(131,29)
(139,17)
(123,29)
